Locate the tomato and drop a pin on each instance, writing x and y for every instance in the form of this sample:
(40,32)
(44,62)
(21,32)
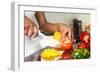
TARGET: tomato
(66,55)
(66,46)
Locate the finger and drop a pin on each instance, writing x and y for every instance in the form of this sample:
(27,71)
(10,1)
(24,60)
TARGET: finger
(31,31)
(35,33)
(26,29)
(64,36)
(70,35)
(62,39)
(25,32)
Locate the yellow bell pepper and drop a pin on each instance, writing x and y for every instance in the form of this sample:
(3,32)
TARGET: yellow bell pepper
(57,36)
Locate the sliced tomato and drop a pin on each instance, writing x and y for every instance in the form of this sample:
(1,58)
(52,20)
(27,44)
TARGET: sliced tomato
(66,46)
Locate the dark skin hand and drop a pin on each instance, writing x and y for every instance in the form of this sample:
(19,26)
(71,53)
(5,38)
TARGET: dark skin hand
(65,30)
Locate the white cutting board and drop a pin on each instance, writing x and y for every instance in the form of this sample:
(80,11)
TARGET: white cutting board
(32,45)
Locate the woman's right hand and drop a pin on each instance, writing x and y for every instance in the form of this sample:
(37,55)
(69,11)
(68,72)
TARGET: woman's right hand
(30,28)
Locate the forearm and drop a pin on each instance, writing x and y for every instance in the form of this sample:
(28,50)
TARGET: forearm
(49,27)
(44,24)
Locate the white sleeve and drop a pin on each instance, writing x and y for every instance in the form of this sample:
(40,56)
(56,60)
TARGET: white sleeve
(31,15)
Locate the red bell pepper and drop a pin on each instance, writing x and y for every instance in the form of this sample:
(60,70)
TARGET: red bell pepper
(85,39)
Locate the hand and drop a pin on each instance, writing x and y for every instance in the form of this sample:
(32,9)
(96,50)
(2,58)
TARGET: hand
(30,28)
(66,31)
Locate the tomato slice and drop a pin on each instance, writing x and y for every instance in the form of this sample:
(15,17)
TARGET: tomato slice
(66,46)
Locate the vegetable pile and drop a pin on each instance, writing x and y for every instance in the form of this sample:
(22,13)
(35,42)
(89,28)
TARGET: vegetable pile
(81,53)
(82,50)
(50,54)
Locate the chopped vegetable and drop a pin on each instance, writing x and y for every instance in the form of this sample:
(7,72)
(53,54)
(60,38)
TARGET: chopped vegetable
(85,37)
(66,55)
(66,44)
(50,54)
(81,45)
(57,36)
(81,53)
